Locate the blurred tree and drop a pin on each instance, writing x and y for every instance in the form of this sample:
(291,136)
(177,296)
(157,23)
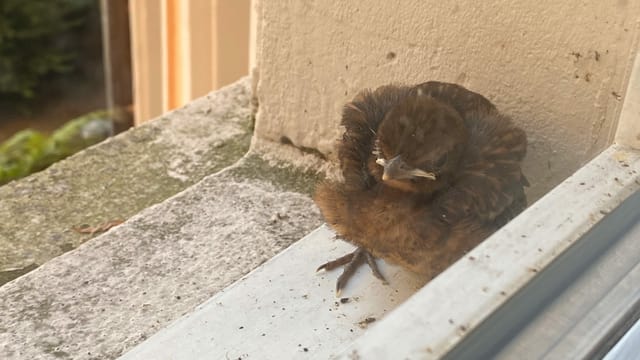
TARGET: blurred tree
(36,40)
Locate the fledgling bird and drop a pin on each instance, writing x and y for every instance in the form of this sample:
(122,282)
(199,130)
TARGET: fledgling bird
(429,171)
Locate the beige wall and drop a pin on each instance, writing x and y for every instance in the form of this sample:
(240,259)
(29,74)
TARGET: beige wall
(559,68)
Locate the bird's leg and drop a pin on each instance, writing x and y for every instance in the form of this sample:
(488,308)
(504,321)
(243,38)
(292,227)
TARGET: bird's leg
(351,262)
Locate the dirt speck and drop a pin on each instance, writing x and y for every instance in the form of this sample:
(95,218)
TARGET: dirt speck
(576,55)
(364,323)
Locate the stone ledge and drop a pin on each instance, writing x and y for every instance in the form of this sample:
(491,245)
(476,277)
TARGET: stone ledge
(284,310)
(114,291)
(119,177)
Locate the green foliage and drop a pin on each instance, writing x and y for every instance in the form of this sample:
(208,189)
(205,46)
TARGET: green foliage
(21,154)
(35,41)
(78,134)
(29,151)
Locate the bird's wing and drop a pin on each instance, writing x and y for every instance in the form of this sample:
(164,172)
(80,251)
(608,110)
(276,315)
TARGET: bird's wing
(361,118)
(490,183)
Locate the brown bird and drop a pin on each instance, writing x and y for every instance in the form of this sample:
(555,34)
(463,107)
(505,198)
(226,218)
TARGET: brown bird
(429,171)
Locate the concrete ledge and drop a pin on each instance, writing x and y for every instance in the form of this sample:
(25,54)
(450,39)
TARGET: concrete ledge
(284,311)
(119,177)
(114,291)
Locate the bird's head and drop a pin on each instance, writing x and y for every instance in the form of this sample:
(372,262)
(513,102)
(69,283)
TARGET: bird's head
(419,144)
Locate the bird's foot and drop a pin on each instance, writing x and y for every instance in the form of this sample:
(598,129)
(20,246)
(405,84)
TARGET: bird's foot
(351,262)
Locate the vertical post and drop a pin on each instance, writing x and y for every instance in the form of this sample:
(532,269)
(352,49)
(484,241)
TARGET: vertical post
(148,58)
(117,59)
(184,49)
(233,32)
(195,48)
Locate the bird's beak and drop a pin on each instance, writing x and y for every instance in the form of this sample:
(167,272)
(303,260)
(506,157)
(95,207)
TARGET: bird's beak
(397,169)
(422,173)
(394,169)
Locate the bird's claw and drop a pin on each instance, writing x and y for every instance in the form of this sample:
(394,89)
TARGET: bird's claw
(351,262)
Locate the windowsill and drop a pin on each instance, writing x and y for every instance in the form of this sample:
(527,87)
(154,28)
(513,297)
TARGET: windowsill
(282,308)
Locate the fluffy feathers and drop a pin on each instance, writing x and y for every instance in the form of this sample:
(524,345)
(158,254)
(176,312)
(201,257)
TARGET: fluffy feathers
(429,172)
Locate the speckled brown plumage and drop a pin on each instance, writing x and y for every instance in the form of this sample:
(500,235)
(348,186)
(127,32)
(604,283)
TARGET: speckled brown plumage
(429,172)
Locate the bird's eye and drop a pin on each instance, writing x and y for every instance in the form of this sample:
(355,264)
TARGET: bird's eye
(441,161)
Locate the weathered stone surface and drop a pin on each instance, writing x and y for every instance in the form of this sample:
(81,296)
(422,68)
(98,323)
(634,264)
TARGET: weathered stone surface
(112,292)
(119,177)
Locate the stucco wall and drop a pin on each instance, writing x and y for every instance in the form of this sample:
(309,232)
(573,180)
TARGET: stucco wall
(559,68)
